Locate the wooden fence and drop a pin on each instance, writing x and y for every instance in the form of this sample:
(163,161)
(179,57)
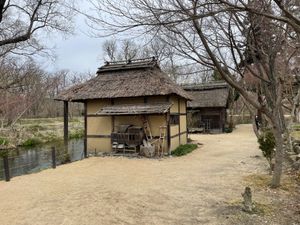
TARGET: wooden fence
(56,158)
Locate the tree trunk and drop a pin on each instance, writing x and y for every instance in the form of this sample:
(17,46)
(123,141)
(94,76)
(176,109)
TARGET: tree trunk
(279,154)
(295,108)
(254,125)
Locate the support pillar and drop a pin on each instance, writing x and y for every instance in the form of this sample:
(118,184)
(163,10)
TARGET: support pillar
(168,132)
(85,130)
(179,128)
(66,124)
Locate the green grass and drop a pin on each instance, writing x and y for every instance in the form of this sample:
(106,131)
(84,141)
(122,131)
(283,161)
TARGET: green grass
(77,134)
(36,127)
(31,142)
(184,149)
(50,137)
(3,141)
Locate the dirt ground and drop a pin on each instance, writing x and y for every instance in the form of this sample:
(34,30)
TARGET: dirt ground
(203,187)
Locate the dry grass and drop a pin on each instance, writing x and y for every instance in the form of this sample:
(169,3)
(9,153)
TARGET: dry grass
(262,181)
(43,130)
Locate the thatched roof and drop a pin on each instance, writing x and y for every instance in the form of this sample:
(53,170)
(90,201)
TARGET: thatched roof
(208,95)
(125,79)
(135,109)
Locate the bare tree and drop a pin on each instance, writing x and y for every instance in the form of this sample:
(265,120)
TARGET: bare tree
(109,48)
(22,20)
(212,33)
(165,55)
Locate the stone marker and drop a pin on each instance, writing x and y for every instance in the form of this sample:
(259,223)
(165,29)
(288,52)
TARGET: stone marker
(247,204)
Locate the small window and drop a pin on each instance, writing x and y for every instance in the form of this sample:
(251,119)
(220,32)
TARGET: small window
(174,119)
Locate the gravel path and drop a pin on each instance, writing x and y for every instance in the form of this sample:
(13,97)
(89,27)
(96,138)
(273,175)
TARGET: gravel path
(186,190)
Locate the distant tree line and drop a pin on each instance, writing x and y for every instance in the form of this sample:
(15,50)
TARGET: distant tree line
(25,88)
(28,91)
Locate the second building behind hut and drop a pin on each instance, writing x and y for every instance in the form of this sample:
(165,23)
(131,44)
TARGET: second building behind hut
(207,112)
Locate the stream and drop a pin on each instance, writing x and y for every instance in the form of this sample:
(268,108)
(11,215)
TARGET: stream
(30,160)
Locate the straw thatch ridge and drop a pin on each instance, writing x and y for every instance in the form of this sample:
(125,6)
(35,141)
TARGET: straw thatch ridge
(125,80)
(205,86)
(208,95)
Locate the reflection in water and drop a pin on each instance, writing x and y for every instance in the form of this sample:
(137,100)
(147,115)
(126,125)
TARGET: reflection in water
(29,160)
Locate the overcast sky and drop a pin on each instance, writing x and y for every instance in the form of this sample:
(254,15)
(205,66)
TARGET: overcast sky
(79,52)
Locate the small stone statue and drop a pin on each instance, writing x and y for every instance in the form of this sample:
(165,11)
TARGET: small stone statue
(247,195)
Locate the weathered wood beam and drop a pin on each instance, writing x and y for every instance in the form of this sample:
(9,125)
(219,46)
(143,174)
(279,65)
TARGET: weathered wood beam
(168,132)
(66,124)
(186,122)
(85,130)
(179,128)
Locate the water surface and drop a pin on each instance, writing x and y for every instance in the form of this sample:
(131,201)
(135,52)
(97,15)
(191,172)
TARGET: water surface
(29,160)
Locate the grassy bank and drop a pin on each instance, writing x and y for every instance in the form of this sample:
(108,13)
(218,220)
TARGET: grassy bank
(32,132)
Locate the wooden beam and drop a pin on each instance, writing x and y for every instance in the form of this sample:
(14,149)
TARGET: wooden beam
(85,130)
(98,136)
(178,135)
(66,124)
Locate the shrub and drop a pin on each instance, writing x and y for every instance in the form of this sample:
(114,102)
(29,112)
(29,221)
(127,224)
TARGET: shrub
(64,157)
(31,142)
(77,134)
(50,137)
(184,149)
(3,141)
(228,129)
(267,144)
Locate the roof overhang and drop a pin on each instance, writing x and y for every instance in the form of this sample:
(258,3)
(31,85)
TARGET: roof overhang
(134,109)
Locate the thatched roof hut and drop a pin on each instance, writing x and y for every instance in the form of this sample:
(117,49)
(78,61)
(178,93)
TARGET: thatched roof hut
(207,110)
(208,95)
(125,79)
(135,94)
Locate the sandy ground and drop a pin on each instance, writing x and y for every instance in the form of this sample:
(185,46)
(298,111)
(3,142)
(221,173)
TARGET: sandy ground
(193,189)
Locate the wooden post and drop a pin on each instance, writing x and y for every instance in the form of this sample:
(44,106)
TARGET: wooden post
(179,128)
(145,100)
(85,130)
(6,168)
(66,124)
(53,153)
(186,122)
(168,132)
(168,127)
